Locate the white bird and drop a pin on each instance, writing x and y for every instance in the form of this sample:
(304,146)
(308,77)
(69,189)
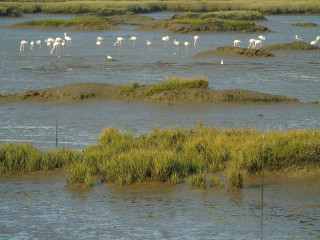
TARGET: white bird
(262,37)
(68,39)
(149,45)
(221,62)
(186,44)
(22,43)
(56,46)
(195,38)
(58,39)
(258,43)
(118,43)
(236,43)
(99,39)
(177,43)
(31,45)
(38,42)
(318,38)
(133,38)
(298,38)
(251,43)
(165,40)
(48,44)
(109,58)
(98,43)
(314,42)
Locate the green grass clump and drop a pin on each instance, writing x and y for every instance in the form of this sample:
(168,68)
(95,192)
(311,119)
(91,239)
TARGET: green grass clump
(172,155)
(305,24)
(215,181)
(198,180)
(128,89)
(177,83)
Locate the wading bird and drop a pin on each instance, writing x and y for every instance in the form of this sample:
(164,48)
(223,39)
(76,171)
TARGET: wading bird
(186,44)
(118,43)
(221,62)
(165,40)
(149,45)
(195,40)
(133,38)
(38,42)
(262,37)
(236,43)
(258,43)
(298,38)
(68,39)
(22,43)
(98,43)
(251,43)
(31,45)
(177,43)
(109,58)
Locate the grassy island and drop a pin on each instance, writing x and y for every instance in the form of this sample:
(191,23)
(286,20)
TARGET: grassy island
(240,21)
(202,156)
(171,90)
(305,24)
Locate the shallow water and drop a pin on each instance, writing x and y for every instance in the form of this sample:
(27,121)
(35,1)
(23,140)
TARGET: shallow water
(41,207)
(37,206)
(291,73)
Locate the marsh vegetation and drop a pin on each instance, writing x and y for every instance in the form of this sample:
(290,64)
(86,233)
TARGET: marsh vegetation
(111,7)
(202,156)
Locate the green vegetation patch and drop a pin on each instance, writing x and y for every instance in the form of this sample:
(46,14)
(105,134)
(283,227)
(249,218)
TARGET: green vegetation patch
(89,23)
(235,51)
(177,83)
(308,24)
(172,155)
(291,46)
(210,22)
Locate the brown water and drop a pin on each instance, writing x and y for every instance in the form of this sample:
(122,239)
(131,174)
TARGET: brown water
(40,206)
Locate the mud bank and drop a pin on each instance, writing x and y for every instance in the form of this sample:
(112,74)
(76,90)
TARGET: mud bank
(101,91)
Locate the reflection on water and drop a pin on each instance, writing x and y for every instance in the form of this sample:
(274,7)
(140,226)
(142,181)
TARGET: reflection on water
(40,207)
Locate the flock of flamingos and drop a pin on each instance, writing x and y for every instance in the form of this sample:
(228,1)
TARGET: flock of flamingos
(54,44)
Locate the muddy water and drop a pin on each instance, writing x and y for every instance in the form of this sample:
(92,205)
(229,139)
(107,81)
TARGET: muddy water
(40,206)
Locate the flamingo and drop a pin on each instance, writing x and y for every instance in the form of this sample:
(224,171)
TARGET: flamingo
(38,42)
(236,43)
(165,40)
(186,44)
(262,37)
(22,43)
(100,39)
(195,38)
(318,38)
(133,38)
(177,43)
(221,62)
(258,43)
(149,45)
(118,43)
(31,45)
(99,45)
(251,43)
(68,39)
(48,45)
(56,46)
(298,38)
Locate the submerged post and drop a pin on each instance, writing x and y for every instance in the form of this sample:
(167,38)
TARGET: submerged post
(262,165)
(57,121)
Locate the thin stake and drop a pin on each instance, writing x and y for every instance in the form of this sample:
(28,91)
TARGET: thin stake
(262,165)
(57,122)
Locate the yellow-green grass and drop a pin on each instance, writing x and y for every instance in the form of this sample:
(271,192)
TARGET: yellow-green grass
(172,155)
(109,7)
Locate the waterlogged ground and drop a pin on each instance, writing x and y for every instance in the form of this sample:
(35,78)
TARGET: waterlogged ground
(291,73)
(40,206)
